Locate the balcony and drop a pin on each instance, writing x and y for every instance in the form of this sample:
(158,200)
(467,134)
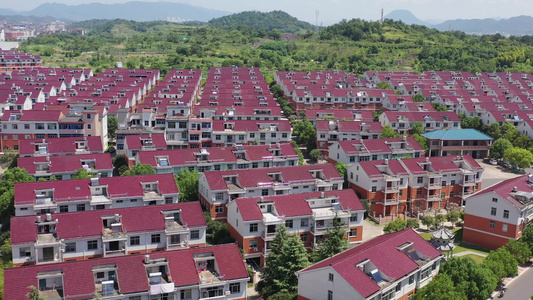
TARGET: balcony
(266,251)
(160,284)
(434,197)
(391,201)
(151,194)
(433,185)
(43,202)
(391,189)
(173,226)
(107,288)
(469,182)
(268,236)
(55,293)
(47,239)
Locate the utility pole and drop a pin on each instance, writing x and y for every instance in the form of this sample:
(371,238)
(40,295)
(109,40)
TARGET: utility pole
(382,16)
(316,16)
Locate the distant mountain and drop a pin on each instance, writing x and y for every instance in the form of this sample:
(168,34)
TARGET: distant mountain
(14,19)
(522,25)
(137,11)
(405,16)
(259,20)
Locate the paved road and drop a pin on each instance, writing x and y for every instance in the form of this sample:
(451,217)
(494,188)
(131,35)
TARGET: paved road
(520,288)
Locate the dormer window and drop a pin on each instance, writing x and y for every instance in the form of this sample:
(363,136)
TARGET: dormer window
(162,161)
(50,284)
(105,280)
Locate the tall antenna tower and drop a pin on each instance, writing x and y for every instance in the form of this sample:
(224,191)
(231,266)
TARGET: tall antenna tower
(382,15)
(316,19)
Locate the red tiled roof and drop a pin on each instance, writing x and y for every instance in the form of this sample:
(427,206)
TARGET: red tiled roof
(255,177)
(86,224)
(134,141)
(66,163)
(383,253)
(61,145)
(295,204)
(78,279)
(504,189)
(78,189)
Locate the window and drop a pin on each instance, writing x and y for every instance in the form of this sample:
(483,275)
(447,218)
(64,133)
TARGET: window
(398,287)
(195,234)
(135,240)
(264,192)
(452,194)
(235,288)
(80,207)
(288,223)
(156,238)
(70,247)
(452,183)
(506,214)
(331,276)
(419,192)
(492,224)
(254,227)
(304,222)
(425,273)
(63,208)
(493,211)
(219,209)
(420,180)
(252,135)
(26,126)
(374,189)
(284,135)
(353,218)
(253,245)
(494,199)
(353,232)
(330,295)
(411,279)
(504,228)
(304,238)
(89,126)
(24,252)
(186,294)
(92,245)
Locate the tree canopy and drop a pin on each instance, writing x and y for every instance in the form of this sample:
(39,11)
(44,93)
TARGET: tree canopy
(470,278)
(387,132)
(518,157)
(187,182)
(140,169)
(498,148)
(334,243)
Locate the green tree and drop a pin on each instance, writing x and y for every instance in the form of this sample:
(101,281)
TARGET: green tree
(509,131)
(288,255)
(419,98)
(418,128)
(112,126)
(284,296)
(217,232)
(387,132)
(440,288)
(422,141)
(140,169)
(343,171)
(7,193)
(81,174)
(396,225)
(9,159)
(413,223)
(299,152)
(187,182)
(336,242)
(519,250)
(470,278)
(523,141)
(501,263)
(33,294)
(120,164)
(383,85)
(498,148)
(493,130)
(518,157)
(428,221)
(306,133)
(527,237)
(315,154)
(471,122)
(453,216)
(439,219)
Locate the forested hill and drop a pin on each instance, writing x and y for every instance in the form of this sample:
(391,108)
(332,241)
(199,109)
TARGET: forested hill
(277,19)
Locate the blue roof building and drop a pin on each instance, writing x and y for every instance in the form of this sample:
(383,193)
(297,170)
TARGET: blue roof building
(458,142)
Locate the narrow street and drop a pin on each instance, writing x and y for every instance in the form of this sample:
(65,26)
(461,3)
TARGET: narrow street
(520,288)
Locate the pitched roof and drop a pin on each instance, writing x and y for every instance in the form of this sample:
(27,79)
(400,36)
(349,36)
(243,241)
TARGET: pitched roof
(505,190)
(78,279)
(383,253)
(78,189)
(259,177)
(86,224)
(295,204)
(61,145)
(135,142)
(66,163)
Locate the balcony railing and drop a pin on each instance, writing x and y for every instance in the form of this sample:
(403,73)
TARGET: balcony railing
(47,238)
(391,189)
(268,235)
(433,185)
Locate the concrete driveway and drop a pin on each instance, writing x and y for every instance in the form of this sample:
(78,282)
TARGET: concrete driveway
(371,231)
(494,174)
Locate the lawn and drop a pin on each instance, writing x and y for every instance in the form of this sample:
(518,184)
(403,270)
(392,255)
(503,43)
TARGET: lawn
(476,258)
(461,247)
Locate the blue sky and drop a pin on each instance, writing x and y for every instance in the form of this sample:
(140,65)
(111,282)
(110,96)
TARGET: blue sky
(332,11)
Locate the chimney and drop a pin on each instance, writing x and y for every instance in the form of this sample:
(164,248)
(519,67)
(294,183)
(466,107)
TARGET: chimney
(405,138)
(39,220)
(322,195)
(147,259)
(515,189)
(427,159)
(261,199)
(48,217)
(386,161)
